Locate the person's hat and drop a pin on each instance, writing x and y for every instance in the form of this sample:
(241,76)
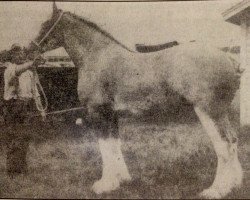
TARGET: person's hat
(16,47)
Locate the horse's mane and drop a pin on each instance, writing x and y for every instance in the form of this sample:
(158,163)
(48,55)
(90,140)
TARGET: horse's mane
(97,28)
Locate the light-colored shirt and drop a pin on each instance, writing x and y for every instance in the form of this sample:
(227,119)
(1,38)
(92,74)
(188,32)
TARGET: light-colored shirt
(25,85)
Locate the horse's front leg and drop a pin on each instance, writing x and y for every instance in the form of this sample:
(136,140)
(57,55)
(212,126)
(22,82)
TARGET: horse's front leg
(114,169)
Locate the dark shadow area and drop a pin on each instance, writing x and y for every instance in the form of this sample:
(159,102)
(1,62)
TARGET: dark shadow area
(244,134)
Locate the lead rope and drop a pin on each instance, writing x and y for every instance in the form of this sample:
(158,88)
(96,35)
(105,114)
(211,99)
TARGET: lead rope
(40,107)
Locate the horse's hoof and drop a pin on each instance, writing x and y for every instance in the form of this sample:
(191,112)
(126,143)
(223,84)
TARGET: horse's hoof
(102,186)
(211,193)
(124,177)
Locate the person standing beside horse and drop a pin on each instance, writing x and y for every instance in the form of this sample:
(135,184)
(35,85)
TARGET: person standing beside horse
(19,93)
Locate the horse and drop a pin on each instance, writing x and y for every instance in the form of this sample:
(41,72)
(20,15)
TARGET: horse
(111,77)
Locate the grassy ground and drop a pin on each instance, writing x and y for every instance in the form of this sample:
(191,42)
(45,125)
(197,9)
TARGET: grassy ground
(173,160)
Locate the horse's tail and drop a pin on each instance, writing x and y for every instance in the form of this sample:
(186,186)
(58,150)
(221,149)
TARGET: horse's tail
(227,85)
(234,59)
(236,64)
(238,71)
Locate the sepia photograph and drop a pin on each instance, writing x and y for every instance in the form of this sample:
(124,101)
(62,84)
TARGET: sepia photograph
(125,100)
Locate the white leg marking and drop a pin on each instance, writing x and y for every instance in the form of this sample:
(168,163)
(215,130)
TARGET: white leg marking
(221,147)
(228,175)
(229,171)
(114,167)
(122,170)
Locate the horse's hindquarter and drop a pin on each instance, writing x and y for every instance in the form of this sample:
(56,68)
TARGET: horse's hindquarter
(202,74)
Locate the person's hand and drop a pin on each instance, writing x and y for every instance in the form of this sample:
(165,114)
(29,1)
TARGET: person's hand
(39,61)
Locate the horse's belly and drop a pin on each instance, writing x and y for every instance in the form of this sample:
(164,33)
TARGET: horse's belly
(139,99)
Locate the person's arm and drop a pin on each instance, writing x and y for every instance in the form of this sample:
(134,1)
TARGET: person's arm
(9,73)
(28,65)
(23,67)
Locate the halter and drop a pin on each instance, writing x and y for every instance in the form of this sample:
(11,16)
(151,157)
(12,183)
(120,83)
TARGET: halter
(50,30)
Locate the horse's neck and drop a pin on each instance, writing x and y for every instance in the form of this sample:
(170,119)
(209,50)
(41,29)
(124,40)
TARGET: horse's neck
(84,44)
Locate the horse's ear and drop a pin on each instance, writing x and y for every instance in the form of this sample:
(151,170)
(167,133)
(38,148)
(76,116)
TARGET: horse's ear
(55,9)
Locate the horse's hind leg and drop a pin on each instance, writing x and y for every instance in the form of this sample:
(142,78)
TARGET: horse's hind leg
(224,139)
(114,168)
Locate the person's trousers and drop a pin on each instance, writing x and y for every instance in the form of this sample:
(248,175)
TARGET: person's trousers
(16,116)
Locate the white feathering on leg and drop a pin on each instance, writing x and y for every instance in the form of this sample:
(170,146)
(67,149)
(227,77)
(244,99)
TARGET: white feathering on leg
(229,171)
(114,167)
(122,170)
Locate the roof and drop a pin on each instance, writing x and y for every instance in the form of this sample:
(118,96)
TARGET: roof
(238,12)
(57,53)
(60,52)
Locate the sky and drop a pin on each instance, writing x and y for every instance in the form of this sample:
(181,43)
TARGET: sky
(130,23)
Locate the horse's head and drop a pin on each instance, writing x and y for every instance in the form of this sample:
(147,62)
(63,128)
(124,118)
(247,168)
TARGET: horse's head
(49,36)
